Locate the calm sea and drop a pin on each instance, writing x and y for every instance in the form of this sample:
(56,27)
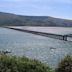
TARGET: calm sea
(47,50)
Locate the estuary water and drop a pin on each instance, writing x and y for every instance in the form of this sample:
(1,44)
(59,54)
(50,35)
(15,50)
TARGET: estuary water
(47,50)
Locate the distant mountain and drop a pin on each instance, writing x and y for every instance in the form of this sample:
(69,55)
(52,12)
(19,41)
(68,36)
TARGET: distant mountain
(8,19)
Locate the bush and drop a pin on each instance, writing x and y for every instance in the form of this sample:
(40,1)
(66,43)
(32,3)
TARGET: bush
(21,64)
(65,65)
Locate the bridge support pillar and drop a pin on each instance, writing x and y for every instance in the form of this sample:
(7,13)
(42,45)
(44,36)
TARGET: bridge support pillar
(65,38)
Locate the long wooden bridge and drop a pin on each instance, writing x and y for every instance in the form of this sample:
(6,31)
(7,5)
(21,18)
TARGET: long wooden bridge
(51,35)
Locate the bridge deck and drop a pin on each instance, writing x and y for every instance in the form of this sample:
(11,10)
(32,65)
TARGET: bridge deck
(48,33)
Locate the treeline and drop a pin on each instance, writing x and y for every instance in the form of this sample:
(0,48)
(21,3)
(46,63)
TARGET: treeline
(7,19)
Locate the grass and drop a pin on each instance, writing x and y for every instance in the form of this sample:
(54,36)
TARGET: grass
(21,64)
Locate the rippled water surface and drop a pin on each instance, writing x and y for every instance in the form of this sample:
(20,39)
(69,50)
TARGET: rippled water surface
(45,49)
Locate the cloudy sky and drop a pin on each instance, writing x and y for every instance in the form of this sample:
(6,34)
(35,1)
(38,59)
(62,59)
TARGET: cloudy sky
(54,8)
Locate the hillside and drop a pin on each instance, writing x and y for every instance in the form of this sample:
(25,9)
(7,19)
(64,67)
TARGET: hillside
(8,19)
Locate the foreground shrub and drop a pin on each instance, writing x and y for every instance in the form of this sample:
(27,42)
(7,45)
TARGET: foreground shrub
(21,64)
(65,65)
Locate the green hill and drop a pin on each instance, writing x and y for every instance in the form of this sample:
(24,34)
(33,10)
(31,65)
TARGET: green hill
(8,19)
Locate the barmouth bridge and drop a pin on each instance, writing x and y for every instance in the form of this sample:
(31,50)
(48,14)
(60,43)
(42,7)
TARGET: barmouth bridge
(51,35)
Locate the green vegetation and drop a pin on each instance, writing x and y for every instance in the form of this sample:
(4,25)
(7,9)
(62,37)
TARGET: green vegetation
(7,19)
(21,64)
(65,65)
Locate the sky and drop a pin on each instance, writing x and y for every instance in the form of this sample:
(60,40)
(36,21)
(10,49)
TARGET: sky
(54,8)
